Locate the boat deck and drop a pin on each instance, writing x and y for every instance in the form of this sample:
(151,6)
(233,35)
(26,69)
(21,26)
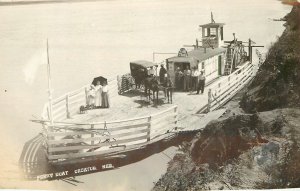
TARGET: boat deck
(135,104)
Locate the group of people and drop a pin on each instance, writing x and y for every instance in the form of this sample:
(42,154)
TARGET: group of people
(98,95)
(190,80)
(164,78)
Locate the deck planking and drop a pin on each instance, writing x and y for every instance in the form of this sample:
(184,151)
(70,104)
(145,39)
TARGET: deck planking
(134,104)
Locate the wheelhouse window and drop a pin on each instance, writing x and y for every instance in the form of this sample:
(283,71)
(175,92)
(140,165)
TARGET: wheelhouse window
(213,32)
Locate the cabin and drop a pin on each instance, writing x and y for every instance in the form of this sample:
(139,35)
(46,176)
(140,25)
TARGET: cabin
(209,58)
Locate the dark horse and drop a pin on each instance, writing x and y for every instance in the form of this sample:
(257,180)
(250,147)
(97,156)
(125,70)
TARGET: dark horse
(151,83)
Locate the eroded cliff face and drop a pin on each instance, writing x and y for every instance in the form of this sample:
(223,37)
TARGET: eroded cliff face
(256,145)
(244,151)
(277,84)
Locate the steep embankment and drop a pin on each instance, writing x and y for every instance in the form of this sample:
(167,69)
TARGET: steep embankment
(277,84)
(257,145)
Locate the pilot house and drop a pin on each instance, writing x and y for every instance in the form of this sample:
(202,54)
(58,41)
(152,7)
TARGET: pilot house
(209,58)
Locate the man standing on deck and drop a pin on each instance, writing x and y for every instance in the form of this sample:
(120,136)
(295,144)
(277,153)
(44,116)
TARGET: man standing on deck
(162,73)
(186,78)
(201,83)
(178,79)
(195,75)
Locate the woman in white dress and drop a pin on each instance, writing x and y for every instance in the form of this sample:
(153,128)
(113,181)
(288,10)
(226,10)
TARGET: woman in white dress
(91,97)
(98,97)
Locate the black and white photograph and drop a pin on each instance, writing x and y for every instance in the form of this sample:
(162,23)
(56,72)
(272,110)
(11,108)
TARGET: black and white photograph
(162,95)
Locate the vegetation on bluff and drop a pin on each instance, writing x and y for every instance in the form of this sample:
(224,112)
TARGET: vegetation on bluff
(258,144)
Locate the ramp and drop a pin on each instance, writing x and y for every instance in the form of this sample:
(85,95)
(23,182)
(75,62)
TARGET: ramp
(197,122)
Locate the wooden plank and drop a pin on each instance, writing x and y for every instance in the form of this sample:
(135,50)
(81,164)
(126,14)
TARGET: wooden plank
(100,130)
(232,93)
(203,121)
(225,91)
(167,127)
(94,138)
(84,154)
(163,118)
(128,126)
(79,94)
(162,124)
(164,128)
(59,108)
(149,128)
(247,64)
(109,151)
(72,148)
(220,99)
(78,100)
(159,113)
(57,101)
(162,132)
(67,107)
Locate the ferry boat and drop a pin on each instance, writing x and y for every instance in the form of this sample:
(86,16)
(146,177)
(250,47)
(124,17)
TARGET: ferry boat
(72,133)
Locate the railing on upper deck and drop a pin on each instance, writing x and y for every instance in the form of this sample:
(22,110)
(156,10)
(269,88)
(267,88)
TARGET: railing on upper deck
(225,89)
(65,140)
(66,106)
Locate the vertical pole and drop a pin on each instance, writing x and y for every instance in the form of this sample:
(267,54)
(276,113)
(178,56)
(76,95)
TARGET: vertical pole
(67,107)
(49,86)
(175,111)
(149,128)
(250,50)
(86,96)
(49,99)
(92,135)
(209,101)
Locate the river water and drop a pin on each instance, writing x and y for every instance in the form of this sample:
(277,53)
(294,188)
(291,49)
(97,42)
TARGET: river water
(89,39)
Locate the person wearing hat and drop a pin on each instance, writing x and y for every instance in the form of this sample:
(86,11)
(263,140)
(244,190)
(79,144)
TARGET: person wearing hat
(162,73)
(186,78)
(195,75)
(168,87)
(178,79)
(201,83)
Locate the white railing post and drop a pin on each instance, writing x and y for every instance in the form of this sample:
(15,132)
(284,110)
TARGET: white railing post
(67,107)
(149,128)
(175,117)
(92,135)
(209,100)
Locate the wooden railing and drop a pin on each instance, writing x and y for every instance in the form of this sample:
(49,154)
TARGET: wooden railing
(225,89)
(67,105)
(76,140)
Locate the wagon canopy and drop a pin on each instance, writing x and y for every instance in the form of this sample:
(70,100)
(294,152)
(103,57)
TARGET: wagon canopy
(141,64)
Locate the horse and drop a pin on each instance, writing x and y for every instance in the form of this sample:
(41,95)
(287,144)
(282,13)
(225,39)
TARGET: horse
(151,83)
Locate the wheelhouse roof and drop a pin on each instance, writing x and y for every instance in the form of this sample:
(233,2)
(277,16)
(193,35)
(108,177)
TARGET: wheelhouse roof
(198,55)
(209,25)
(142,63)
